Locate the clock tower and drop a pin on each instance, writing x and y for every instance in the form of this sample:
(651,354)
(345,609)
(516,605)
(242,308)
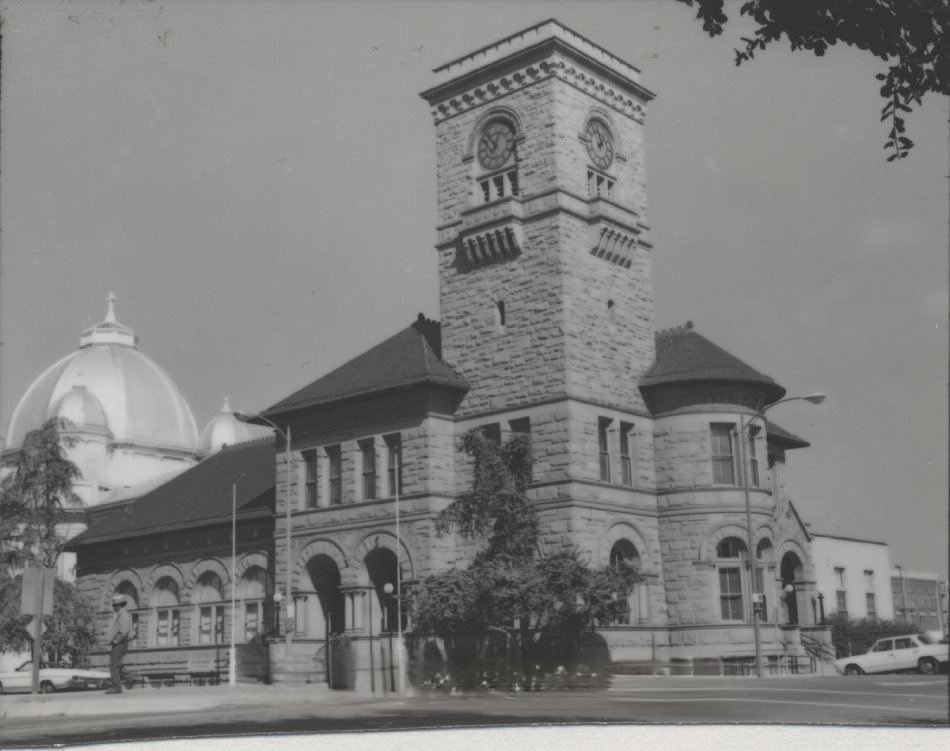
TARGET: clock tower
(544,259)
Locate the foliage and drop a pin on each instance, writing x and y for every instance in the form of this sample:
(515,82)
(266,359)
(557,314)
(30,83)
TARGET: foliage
(855,637)
(33,498)
(70,631)
(513,600)
(909,35)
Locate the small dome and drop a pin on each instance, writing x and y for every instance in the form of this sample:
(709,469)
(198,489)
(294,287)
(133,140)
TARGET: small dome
(81,409)
(224,429)
(137,400)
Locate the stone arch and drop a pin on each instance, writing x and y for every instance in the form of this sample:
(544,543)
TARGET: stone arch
(501,112)
(385,538)
(118,578)
(619,531)
(250,560)
(322,546)
(203,566)
(712,538)
(160,571)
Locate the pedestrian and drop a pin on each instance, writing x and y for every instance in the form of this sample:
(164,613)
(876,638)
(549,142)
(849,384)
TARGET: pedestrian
(119,635)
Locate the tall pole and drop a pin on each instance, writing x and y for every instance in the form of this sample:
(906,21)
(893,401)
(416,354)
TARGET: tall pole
(399,645)
(903,594)
(232,653)
(745,425)
(291,615)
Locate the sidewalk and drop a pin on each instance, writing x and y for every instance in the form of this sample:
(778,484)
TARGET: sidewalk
(174,699)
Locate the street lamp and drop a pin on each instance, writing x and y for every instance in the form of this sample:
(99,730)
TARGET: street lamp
(900,570)
(257,420)
(744,426)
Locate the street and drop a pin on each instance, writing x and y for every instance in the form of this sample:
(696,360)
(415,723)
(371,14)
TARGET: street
(895,700)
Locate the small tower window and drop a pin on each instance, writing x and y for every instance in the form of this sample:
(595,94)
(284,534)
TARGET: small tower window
(611,311)
(501,318)
(598,185)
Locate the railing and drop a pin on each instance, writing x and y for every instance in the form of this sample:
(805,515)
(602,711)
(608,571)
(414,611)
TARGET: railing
(818,649)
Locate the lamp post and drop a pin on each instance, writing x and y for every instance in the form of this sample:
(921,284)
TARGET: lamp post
(285,434)
(900,571)
(399,646)
(745,425)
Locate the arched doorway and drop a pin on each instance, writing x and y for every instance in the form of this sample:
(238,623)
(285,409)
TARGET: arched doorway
(381,566)
(791,571)
(624,554)
(330,617)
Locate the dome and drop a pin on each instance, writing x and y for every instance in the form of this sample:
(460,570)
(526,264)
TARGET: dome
(224,429)
(109,383)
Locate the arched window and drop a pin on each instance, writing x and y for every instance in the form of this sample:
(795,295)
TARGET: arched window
(251,592)
(729,551)
(624,554)
(497,160)
(501,319)
(208,596)
(165,606)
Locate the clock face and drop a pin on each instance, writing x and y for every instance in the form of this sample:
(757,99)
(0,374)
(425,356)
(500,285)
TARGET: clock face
(495,145)
(600,144)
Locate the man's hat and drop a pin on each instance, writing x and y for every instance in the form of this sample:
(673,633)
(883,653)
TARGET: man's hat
(119,600)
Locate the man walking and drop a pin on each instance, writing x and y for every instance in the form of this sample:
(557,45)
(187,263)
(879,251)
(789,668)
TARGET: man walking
(119,635)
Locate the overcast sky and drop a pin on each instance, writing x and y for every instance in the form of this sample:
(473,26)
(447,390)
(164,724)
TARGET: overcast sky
(256,183)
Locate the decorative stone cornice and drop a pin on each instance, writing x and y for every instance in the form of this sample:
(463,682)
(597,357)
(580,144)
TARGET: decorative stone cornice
(492,245)
(613,245)
(558,66)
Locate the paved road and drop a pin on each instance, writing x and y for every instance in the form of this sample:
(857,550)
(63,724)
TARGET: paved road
(903,700)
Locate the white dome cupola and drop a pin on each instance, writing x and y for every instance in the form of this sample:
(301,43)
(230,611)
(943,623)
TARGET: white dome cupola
(224,429)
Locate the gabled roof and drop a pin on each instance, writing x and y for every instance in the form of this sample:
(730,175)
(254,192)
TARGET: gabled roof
(413,356)
(198,496)
(779,435)
(683,355)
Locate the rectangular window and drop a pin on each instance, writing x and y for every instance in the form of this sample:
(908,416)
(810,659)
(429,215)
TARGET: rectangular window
(211,624)
(603,447)
(134,639)
(758,588)
(394,464)
(167,624)
(868,580)
(723,456)
(598,185)
(730,593)
(753,461)
(871,605)
(626,460)
(841,603)
(492,432)
(310,484)
(522,426)
(335,474)
(839,577)
(368,455)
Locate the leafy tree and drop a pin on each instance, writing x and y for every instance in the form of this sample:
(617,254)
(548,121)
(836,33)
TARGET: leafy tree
(69,632)
(855,637)
(909,35)
(34,497)
(512,593)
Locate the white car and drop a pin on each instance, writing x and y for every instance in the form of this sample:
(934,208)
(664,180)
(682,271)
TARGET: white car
(922,652)
(52,679)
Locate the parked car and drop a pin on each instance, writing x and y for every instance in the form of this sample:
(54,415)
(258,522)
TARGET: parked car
(924,652)
(52,678)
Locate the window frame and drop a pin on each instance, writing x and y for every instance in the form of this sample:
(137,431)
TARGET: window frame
(626,456)
(334,456)
(367,448)
(394,464)
(603,448)
(721,432)
(311,488)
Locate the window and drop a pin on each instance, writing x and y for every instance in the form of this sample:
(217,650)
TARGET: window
(522,426)
(870,605)
(394,464)
(763,553)
(753,461)
(884,646)
(499,186)
(730,578)
(603,447)
(868,580)
(310,480)
(903,643)
(368,455)
(624,555)
(165,601)
(626,461)
(252,620)
(251,592)
(335,474)
(724,468)
(208,594)
(841,594)
(492,433)
(501,318)
(598,185)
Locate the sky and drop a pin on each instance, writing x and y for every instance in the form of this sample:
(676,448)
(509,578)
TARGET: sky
(255,182)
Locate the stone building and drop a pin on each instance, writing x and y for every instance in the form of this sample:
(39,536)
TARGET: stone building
(547,328)
(649,447)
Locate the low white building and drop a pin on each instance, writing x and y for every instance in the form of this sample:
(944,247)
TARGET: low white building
(853,576)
